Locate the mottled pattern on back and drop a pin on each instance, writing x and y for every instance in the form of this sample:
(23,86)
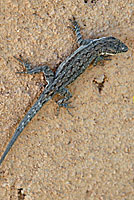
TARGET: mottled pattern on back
(90,51)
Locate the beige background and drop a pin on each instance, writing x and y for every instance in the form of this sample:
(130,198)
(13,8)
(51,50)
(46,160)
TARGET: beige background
(89,155)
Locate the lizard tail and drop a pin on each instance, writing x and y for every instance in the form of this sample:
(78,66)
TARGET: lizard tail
(30,114)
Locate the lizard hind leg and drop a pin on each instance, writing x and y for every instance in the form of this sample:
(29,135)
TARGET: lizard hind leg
(48,73)
(64,101)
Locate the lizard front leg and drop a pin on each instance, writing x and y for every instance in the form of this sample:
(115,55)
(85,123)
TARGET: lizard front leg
(100,59)
(76,28)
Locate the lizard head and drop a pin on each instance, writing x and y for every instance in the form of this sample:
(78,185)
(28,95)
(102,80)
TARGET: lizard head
(113,46)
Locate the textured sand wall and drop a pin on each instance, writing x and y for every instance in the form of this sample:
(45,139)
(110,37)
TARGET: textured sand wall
(87,156)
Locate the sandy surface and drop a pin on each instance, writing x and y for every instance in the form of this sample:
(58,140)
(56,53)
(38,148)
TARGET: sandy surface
(89,155)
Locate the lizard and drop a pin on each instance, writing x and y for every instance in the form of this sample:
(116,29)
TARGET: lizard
(90,51)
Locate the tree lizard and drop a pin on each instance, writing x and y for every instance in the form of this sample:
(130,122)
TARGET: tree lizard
(89,51)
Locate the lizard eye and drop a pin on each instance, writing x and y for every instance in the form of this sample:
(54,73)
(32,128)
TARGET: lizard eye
(122,47)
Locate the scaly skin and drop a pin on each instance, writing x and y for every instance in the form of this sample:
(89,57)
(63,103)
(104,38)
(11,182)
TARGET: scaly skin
(90,51)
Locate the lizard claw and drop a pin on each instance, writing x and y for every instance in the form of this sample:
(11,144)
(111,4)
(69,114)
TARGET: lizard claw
(65,105)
